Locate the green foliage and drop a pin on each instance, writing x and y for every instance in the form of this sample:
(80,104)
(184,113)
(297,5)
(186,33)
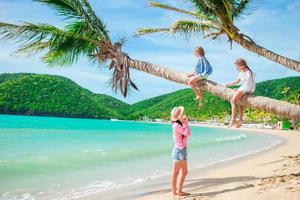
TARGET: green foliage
(274,88)
(33,94)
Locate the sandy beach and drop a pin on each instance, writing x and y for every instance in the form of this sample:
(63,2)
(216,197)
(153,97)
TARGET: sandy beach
(272,174)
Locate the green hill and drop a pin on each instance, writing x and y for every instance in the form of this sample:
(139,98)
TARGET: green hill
(33,94)
(273,88)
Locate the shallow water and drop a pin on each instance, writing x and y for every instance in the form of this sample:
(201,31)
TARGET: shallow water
(60,158)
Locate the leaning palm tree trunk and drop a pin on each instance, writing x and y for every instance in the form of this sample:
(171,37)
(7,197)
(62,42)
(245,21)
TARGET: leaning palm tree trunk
(252,46)
(280,108)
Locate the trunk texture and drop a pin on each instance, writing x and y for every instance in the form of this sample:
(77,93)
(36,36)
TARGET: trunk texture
(252,46)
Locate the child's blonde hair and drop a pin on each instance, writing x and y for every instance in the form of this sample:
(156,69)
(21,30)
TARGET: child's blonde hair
(242,62)
(200,50)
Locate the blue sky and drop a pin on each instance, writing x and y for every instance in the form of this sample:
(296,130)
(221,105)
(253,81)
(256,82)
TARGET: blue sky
(274,24)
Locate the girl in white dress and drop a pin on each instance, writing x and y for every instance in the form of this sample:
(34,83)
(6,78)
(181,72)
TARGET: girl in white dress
(246,77)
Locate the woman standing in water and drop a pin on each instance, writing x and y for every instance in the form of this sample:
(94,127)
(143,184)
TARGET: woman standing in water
(181,132)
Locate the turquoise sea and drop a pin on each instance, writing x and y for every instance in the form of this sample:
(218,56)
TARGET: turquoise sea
(61,158)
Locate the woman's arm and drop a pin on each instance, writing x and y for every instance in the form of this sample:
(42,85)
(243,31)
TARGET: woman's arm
(186,130)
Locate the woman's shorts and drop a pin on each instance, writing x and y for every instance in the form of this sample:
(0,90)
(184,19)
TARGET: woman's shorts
(179,154)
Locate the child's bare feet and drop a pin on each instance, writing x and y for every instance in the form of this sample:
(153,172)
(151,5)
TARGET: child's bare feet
(232,122)
(239,124)
(183,194)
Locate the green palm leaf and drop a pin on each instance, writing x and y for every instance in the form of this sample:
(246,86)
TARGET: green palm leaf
(186,28)
(65,8)
(178,10)
(79,10)
(57,43)
(240,8)
(189,28)
(205,7)
(144,31)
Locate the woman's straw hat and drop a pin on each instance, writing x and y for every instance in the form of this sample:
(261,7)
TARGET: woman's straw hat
(177,113)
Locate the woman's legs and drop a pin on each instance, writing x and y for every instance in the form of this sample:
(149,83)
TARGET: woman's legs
(184,171)
(176,168)
(236,97)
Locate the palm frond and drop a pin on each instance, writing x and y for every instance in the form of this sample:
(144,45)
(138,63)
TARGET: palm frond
(183,27)
(66,51)
(204,7)
(188,28)
(145,31)
(79,10)
(31,49)
(58,43)
(65,8)
(228,10)
(95,19)
(27,32)
(214,35)
(240,8)
(171,8)
(120,64)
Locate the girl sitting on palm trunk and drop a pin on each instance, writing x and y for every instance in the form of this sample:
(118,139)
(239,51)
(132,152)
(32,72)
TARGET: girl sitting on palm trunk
(248,87)
(201,72)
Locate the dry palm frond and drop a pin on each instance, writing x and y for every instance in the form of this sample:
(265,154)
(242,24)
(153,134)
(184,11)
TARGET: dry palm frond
(120,64)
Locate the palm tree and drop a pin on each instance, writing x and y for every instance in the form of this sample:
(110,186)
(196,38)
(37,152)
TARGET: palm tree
(86,35)
(214,19)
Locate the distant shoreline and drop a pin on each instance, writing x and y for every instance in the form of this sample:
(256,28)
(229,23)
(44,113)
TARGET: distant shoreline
(220,125)
(194,123)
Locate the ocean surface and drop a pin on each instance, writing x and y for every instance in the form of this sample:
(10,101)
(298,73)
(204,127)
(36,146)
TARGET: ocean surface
(60,158)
